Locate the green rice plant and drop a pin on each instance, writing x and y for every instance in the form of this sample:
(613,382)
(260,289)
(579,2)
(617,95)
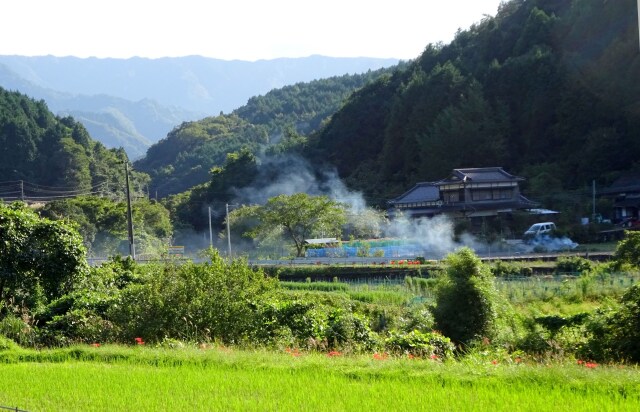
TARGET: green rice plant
(379,296)
(227,379)
(319,286)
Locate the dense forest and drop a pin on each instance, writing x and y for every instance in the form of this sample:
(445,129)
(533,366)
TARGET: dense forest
(547,89)
(52,155)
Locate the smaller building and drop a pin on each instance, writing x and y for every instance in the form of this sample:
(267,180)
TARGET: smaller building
(625,192)
(466,193)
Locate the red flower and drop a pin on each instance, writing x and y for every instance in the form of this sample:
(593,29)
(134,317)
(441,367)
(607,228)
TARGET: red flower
(97,345)
(590,365)
(293,352)
(495,362)
(434,356)
(580,362)
(334,353)
(518,360)
(139,341)
(380,356)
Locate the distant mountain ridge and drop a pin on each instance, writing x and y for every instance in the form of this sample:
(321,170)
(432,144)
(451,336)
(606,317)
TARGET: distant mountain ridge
(135,102)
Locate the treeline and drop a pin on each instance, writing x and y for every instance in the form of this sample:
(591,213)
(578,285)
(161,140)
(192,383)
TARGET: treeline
(546,89)
(55,153)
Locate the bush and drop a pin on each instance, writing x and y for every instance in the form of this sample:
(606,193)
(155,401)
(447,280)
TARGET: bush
(7,344)
(615,333)
(628,250)
(344,328)
(215,300)
(573,264)
(429,344)
(465,299)
(504,269)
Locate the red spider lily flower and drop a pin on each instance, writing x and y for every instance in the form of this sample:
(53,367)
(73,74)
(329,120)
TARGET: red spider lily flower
(580,362)
(495,362)
(139,341)
(434,356)
(411,356)
(334,353)
(293,352)
(380,356)
(97,345)
(590,365)
(517,360)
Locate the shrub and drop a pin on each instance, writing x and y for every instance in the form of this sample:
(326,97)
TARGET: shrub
(344,328)
(214,300)
(420,344)
(573,264)
(628,250)
(7,344)
(465,299)
(616,332)
(504,269)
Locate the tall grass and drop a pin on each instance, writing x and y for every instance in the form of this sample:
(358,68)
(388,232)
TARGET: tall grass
(140,379)
(570,288)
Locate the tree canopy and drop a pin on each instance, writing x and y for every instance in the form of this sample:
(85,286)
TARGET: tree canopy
(297,217)
(39,258)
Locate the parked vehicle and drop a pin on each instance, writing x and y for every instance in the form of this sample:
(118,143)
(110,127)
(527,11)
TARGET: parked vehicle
(538,229)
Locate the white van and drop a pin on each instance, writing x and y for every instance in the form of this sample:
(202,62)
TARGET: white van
(538,229)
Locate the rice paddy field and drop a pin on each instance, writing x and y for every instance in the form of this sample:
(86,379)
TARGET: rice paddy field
(116,378)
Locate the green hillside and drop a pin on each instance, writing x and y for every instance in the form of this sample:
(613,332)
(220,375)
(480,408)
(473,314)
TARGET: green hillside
(184,158)
(44,157)
(547,89)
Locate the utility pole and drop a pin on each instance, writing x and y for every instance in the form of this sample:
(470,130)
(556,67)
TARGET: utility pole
(210,230)
(593,193)
(132,247)
(638,7)
(22,188)
(228,232)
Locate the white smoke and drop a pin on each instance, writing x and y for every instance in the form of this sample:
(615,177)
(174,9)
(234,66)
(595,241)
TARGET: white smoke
(292,174)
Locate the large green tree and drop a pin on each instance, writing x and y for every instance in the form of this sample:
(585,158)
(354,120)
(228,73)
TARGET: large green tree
(296,217)
(39,258)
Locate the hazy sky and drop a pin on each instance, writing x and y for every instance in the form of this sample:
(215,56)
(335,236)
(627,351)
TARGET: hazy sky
(233,29)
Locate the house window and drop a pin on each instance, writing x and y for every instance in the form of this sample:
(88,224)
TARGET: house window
(491,194)
(451,197)
(479,195)
(502,194)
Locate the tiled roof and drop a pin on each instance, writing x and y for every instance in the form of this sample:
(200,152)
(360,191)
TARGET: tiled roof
(421,192)
(481,174)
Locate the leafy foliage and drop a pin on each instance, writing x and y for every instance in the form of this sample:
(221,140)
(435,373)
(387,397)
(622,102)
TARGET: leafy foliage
(215,300)
(298,217)
(466,299)
(616,331)
(422,344)
(102,222)
(40,259)
(628,250)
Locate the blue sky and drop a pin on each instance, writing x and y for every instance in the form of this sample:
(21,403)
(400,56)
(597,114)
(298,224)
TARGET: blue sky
(235,29)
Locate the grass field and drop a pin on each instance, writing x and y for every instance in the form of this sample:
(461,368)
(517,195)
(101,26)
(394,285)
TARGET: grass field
(219,379)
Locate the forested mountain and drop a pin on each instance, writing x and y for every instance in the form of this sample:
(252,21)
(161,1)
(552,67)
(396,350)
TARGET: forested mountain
(52,156)
(547,89)
(114,121)
(185,157)
(135,102)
